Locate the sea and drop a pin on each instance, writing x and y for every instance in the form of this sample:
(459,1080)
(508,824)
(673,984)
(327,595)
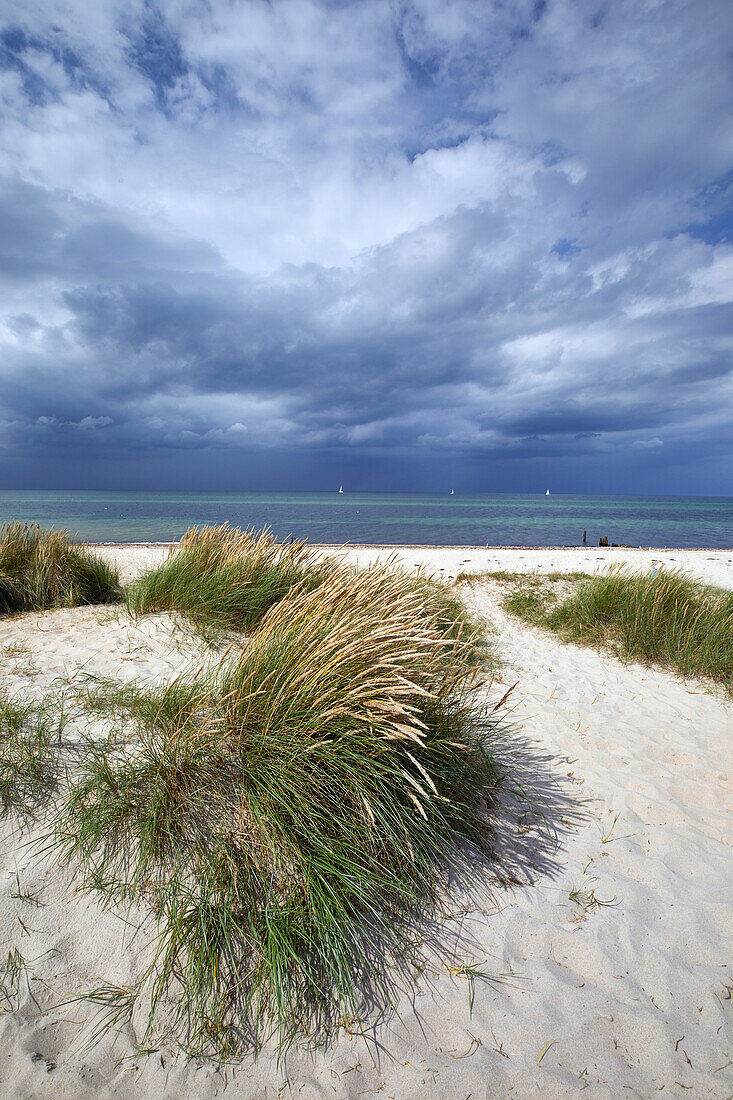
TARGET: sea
(417,519)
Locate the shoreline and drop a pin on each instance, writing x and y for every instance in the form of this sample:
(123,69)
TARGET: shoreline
(712,566)
(581,547)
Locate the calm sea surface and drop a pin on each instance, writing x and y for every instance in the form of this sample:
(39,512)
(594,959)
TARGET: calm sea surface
(417,518)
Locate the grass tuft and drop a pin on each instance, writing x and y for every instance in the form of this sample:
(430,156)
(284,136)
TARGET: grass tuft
(44,568)
(12,970)
(132,704)
(226,578)
(28,763)
(663,618)
(288,819)
(114,1008)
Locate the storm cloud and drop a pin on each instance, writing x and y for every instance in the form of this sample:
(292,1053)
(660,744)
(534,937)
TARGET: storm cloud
(274,244)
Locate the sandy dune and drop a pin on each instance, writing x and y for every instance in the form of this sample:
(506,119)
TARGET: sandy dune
(604,937)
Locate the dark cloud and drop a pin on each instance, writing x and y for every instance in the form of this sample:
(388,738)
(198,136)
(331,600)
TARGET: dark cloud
(274,242)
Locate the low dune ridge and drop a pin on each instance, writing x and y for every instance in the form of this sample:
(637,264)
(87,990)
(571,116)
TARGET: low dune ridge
(595,957)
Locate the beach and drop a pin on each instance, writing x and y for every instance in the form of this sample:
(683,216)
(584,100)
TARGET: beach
(710,566)
(597,958)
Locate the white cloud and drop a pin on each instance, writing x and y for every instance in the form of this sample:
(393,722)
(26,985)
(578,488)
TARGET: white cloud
(654,442)
(91,423)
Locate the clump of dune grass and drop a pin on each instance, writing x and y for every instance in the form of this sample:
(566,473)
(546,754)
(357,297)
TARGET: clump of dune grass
(27,759)
(533,596)
(225,577)
(529,596)
(45,568)
(663,618)
(530,604)
(532,580)
(289,818)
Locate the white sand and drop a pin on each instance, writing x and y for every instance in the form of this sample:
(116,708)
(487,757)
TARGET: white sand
(634,770)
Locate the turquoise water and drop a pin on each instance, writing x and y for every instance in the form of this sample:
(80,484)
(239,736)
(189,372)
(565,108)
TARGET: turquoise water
(411,518)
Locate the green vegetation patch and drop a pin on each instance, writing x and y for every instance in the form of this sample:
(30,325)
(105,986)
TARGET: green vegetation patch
(226,578)
(289,819)
(661,617)
(535,596)
(44,568)
(532,595)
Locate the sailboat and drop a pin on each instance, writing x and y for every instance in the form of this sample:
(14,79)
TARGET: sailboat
(547,492)
(341,488)
(450,494)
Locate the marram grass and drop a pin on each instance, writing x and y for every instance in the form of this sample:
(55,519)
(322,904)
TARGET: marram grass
(663,618)
(27,759)
(45,568)
(289,819)
(225,577)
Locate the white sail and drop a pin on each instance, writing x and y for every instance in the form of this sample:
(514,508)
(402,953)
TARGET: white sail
(547,492)
(341,488)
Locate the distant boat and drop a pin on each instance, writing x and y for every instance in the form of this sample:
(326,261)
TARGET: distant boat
(341,489)
(450,494)
(547,492)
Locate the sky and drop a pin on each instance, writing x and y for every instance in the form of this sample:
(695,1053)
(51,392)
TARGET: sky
(399,244)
